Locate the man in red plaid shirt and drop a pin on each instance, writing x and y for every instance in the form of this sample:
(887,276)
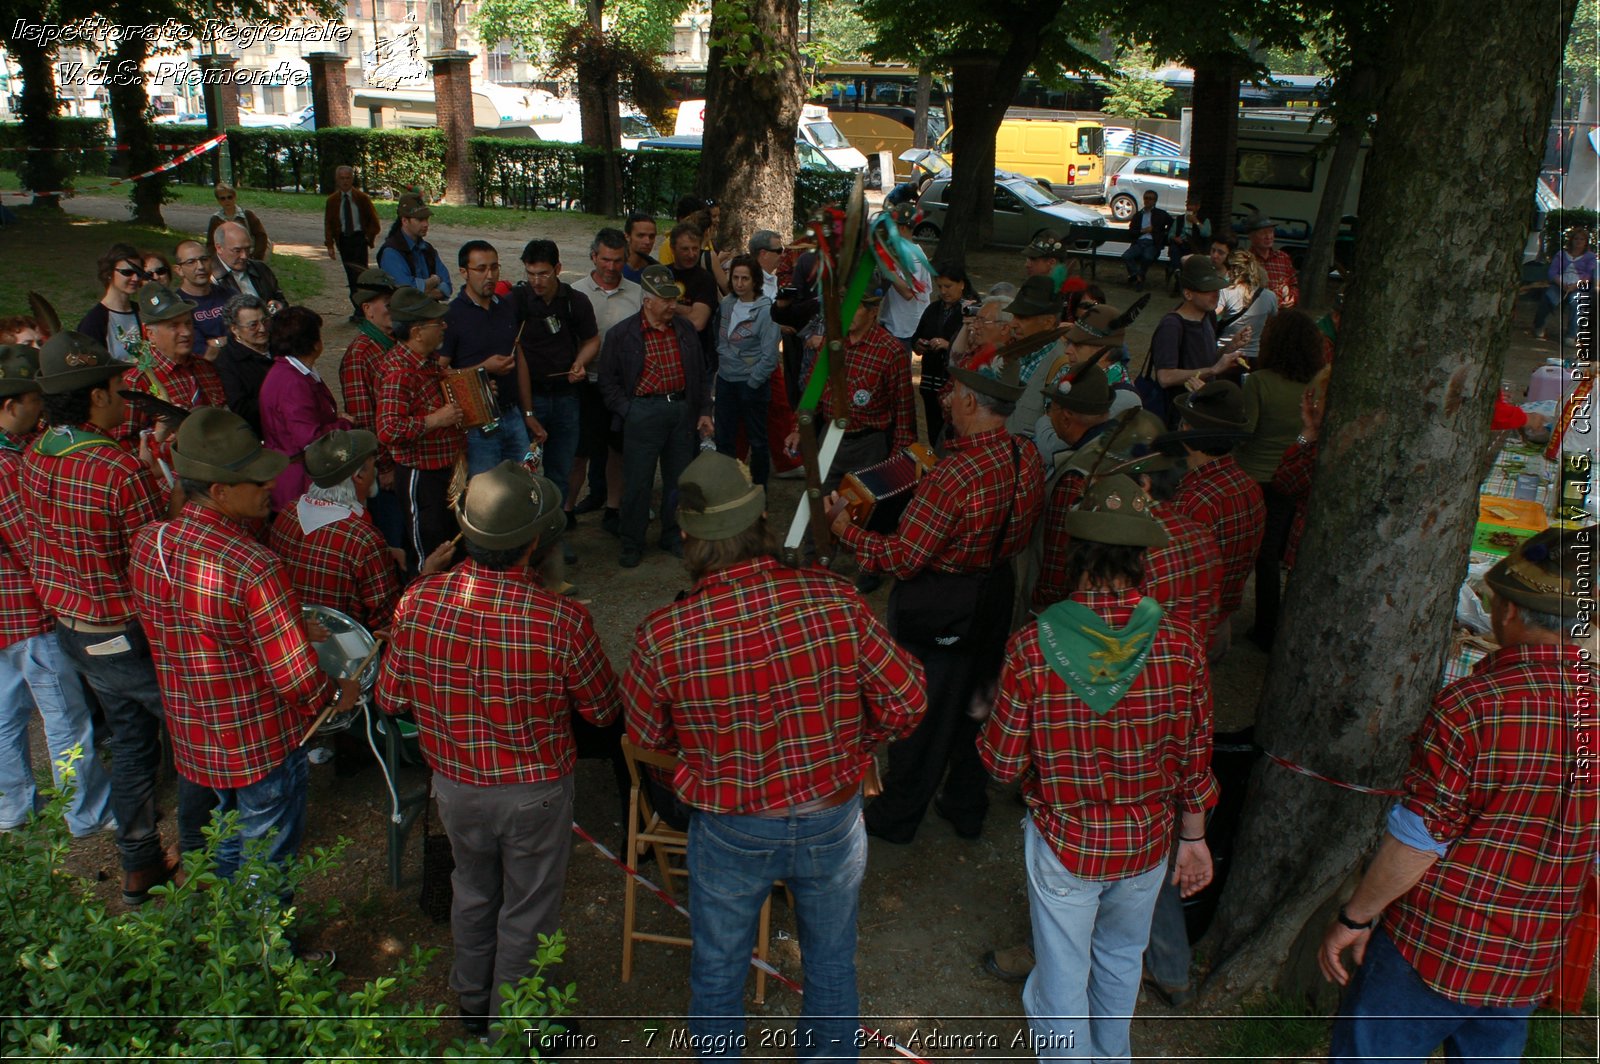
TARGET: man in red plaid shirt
(493,664)
(1495,838)
(421,426)
(951,606)
(1104,713)
(361,381)
(774,684)
(174,373)
(239,677)
(1281,275)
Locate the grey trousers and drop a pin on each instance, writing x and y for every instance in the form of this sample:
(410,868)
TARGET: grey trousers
(654,430)
(511,844)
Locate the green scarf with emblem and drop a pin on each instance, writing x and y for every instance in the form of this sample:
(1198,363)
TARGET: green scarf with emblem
(1098,663)
(375,334)
(66,439)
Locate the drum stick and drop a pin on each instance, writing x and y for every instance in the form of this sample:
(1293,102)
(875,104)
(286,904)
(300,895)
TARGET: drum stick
(323,716)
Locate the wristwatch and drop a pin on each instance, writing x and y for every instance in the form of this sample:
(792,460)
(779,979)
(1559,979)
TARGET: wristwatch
(1352,925)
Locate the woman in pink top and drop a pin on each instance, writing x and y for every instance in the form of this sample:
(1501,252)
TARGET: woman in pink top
(296,407)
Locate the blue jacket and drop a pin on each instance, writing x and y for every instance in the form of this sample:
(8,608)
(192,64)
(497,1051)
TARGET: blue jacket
(748,353)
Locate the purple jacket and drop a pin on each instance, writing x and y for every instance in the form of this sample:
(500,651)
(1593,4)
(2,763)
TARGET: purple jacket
(296,408)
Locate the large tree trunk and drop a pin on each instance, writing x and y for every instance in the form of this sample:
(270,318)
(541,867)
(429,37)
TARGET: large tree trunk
(598,113)
(919,121)
(129,107)
(1341,167)
(1368,610)
(44,170)
(747,157)
(1214,138)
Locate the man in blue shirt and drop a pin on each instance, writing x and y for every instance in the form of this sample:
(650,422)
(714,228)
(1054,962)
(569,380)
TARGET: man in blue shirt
(407,257)
(481,330)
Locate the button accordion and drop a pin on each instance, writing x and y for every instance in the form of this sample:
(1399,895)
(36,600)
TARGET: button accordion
(470,390)
(877,495)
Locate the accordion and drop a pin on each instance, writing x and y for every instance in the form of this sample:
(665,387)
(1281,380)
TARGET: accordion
(878,495)
(470,390)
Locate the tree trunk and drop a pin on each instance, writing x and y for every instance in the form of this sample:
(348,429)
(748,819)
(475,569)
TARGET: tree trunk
(747,157)
(1341,167)
(1367,613)
(919,123)
(1214,138)
(598,113)
(129,114)
(448,10)
(44,170)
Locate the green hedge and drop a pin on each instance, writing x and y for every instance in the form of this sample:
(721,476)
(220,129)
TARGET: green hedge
(389,160)
(84,142)
(1557,222)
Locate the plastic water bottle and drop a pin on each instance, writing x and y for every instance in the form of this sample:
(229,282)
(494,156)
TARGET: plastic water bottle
(1547,382)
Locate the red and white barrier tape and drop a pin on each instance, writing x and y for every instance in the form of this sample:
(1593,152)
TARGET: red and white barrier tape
(105,148)
(176,161)
(755,962)
(1357,787)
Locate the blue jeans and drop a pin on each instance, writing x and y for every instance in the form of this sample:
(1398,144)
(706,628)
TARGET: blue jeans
(558,413)
(733,862)
(119,668)
(508,443)
(1168,955)
(34,673)
(1389,1016)
(740,404)
(1088,939)
(1140,256)
(274,803)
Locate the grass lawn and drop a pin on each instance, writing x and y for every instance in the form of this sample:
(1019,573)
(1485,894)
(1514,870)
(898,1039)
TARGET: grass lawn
(55,255)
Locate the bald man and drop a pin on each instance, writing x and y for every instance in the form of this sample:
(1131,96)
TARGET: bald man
(238,274)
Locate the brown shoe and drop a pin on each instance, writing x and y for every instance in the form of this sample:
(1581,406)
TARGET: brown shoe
(1012,965)
(136,884)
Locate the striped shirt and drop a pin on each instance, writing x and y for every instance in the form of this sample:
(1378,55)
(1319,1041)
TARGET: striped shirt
(774,683)
(345,566)
(493,665)
(239,678)
(1221,496)
(1106,791)
(22,615)
(1503,772)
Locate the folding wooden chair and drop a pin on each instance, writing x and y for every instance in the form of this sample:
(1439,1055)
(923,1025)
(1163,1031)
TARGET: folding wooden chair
(648,832)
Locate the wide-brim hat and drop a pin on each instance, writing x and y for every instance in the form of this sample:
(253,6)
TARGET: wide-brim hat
(1199,274)
(1255,220)
(1549,573)
(412,304)
(715,498)
(1116,511)
(998,378)
(507,508)
(334,457)
(1081,389)
(19,370)
(371,284)
(874,294)
(1129,447)
(1047,244)
(158,303)
(232,453)
(659,281)
(1218,405)
(411,205)
(70,360)
(1036,297)
(1098,328)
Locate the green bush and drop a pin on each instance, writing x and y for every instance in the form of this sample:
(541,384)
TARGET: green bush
(83,142)
(1557,222)
(274,158)
(181,135)
(205,970)
(388,160)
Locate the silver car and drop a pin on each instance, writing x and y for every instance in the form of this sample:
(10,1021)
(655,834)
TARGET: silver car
(1166,175)
(1023,209)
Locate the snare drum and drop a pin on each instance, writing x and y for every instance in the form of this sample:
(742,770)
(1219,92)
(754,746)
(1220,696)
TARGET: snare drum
(347,646)
(470,390)
(879,494)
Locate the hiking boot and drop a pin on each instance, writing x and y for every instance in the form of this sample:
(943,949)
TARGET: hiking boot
(1012,965)
(137,884)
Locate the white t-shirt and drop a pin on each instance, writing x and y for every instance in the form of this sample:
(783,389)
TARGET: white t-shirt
(1257,316)
(899,315)
(610,307)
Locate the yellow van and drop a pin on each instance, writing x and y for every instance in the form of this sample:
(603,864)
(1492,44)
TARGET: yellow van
(877,129)
(1061,147)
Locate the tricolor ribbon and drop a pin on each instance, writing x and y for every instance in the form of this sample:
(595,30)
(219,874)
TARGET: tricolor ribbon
(176,161)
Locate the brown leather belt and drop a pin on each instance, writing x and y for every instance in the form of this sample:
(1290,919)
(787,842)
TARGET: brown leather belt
(816,805)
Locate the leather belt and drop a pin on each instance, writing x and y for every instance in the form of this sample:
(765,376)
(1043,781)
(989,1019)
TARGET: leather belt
(670,397)
(861,434)
(91,629)
(816,805)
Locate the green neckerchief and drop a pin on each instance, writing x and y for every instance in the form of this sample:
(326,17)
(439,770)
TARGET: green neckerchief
(8,442)
(376,335)
(1099,663)
(63,440)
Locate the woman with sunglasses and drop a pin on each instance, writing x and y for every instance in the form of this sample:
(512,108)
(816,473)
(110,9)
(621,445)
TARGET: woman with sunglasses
(115,319)
(228,210)
(157,268)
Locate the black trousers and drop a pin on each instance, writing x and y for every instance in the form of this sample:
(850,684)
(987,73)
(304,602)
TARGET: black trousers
(425,499)
(353,252)
(1269,560)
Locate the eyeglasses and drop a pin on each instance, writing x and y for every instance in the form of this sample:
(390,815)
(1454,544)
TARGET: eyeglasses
(124,271)
(493,267)
(191,262)
(160,271)
(259,323)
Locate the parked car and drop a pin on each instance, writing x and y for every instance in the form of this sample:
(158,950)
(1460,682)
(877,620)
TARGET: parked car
(1168,176)
(1023,208)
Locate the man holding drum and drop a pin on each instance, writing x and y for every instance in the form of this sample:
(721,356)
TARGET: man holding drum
(238,676)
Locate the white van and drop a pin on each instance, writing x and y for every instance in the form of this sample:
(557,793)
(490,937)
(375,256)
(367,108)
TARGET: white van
(816,129)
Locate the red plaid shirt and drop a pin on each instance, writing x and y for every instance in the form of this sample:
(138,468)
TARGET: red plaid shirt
(1185,576)
(492,665)
(345,566)
(1502,771)
(774,683)
(239,679)
(877,375)
(954,518)
(360,381)
(1281,277)
(1293,478)
(83,509)
(1221,496)
(663,362)
(1106,791)
(22,615)
(411,391)
(190,383)
(1051,586)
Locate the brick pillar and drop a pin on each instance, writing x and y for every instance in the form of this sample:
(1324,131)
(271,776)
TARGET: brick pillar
(452,93)
(330,103)
(222,109)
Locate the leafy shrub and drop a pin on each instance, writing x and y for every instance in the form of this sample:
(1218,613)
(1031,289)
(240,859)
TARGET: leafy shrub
(205,969)
(1557,222)
(274,158)
(388,160)
(83,142)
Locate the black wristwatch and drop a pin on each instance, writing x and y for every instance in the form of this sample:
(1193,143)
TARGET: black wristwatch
(1352,925)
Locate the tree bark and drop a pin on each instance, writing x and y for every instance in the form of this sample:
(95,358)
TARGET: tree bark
(598,114)
(129,113)
(919,123)
(1214,138)
(1341,167)
(44,170)
(747,157)
(1367,613)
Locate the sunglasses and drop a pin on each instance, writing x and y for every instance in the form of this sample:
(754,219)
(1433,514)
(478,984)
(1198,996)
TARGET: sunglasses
(124,271)
(160,271)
